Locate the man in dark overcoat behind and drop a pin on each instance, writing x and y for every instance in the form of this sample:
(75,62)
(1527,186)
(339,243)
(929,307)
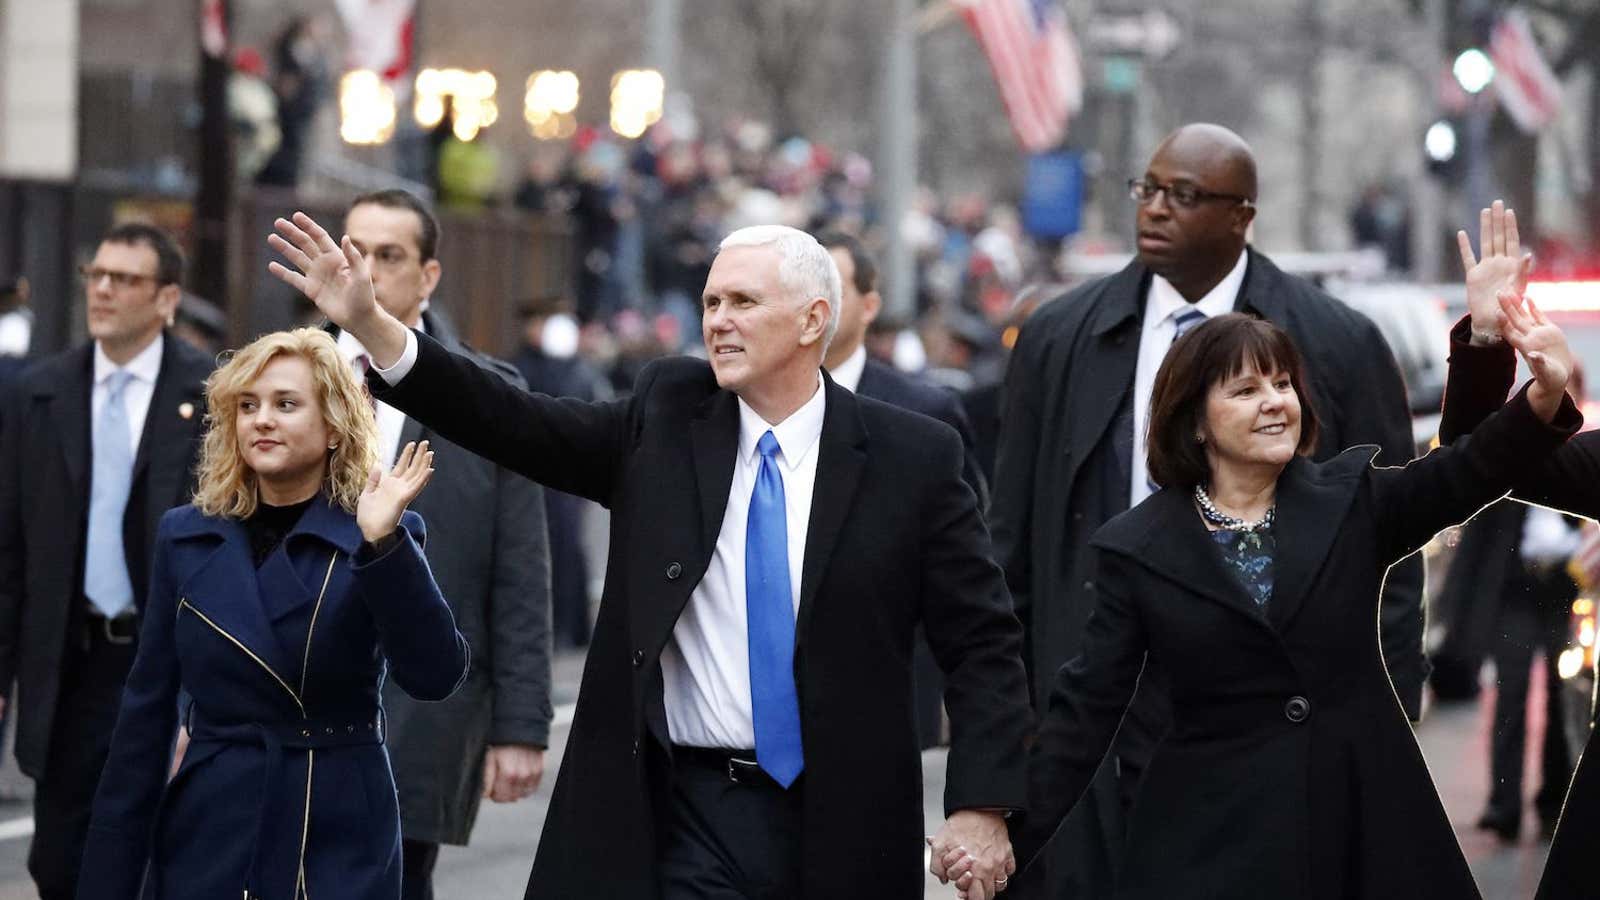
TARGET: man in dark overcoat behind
(488,550)
(744,727)
(1071,450)
(98,442)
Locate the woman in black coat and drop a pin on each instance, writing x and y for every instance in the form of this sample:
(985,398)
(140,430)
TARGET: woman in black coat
(1252,580)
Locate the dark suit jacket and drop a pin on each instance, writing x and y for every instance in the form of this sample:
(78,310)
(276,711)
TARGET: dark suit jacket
(882,382)
(286,773)
(44,508)
(1290,767)
(1568,481)
(895,539)
(489,551)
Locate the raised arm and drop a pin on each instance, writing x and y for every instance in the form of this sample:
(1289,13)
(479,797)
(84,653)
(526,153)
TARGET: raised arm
(1452,483)
(570,445)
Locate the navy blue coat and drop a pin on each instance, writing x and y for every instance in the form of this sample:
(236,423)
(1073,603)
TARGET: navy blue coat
(286,784)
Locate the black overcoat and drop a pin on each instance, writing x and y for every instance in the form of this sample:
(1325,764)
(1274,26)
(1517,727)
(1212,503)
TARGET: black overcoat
(489,551)
(1568,481)
(895,539)
(44,508)
(1291,769)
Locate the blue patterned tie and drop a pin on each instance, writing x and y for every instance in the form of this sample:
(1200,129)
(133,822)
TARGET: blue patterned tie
(769,606)
(105,571)
(1183,322)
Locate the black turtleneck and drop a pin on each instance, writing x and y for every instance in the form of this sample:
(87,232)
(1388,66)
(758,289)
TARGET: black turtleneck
(269,525)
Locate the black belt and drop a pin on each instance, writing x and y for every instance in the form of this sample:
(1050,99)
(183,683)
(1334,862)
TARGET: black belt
(120,629)
(739,766)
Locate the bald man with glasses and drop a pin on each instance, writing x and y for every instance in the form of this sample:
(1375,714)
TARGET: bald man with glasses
(1072,444)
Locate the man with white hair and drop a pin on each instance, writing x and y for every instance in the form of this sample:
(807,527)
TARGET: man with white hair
(745,725)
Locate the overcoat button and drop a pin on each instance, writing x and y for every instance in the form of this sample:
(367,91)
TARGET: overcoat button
(673,571)
(327,731)
(350,729)
(1297,710)
(305,732)
(635,746)
(1088,585)
(638,658)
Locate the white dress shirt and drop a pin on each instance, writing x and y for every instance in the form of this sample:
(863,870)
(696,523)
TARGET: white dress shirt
(144,368)
(391,421)
(848,374)
(706,665)
(1161,306)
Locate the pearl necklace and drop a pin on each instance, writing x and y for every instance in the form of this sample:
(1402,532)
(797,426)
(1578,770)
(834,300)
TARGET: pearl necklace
(1221,519)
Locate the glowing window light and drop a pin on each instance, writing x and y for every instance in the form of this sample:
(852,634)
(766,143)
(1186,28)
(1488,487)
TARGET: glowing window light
(471,95)
(637,97)
(366,108)
(549,103)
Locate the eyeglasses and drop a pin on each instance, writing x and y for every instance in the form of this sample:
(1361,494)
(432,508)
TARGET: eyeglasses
(93,274)
(1179,193)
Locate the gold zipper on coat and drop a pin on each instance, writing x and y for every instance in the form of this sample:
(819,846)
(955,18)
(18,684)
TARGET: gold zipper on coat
(311,755)
(183,603)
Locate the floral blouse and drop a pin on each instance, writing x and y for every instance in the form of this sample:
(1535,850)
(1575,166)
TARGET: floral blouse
(1248,555)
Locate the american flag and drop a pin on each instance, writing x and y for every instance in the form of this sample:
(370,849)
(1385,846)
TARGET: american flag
(1528,89)
(1585,563)
(381,33)
(213,28)
(1035,63)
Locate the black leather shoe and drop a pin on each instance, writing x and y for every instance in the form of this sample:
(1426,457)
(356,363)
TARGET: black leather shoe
(1506,826)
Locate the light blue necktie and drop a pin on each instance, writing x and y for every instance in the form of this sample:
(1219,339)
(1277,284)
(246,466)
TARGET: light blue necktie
(769,606)
(1183,323)
(105,572)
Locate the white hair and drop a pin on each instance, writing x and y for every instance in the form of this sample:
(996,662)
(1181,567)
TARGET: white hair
(805,267)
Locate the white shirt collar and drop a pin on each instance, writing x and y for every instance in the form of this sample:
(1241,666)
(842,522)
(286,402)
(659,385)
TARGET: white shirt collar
(848,373)
(1165,301)
(796,435)
(146,366)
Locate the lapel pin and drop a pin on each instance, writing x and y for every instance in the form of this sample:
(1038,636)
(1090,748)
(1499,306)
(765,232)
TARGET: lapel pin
(185,410)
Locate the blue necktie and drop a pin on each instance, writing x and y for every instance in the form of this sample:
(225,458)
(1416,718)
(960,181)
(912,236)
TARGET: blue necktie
(105,571)
(769,606)
(1183,323)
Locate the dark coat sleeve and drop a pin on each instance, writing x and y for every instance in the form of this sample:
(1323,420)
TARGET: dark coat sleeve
(1373,404)
(1413,503)
(977,641)
(519,614)
(427,656)
(1011,503)
(135,772)
(951,412)
(1479,377)
(570,445)
(1090,695)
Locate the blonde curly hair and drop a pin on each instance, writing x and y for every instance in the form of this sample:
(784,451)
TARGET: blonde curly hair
(227,485)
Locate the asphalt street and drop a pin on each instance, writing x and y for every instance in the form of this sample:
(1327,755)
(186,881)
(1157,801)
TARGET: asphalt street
(1454,739)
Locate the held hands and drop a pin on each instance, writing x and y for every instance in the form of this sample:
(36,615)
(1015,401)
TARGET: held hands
(973,850)
(387,495)
(1503,266)
(512,772)
(1543,346)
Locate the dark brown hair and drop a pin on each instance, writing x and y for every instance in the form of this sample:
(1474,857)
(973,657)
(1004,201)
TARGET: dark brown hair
(395,198)
(1216,350)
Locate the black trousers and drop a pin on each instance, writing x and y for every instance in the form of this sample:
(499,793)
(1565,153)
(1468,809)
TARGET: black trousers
(719,839)
(80,738)
(417,859)
(1524,632)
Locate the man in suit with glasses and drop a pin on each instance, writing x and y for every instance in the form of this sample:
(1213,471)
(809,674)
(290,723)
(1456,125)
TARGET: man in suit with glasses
(98,442)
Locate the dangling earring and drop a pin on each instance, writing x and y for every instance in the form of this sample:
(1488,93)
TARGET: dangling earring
(333,446)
